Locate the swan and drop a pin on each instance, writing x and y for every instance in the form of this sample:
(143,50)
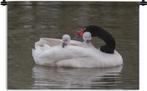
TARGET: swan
(86,56)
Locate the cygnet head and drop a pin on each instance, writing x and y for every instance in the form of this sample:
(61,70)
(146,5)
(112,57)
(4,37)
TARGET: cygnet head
(66,40)
(87,37)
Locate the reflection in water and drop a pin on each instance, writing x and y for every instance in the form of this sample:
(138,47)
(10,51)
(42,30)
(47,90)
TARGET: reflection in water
(46,77)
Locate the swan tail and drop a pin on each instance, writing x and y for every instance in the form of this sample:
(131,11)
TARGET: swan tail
(37,51)
(41,42)
(34,55)
(33,52)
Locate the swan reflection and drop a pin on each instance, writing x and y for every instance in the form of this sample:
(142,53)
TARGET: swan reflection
(47,77)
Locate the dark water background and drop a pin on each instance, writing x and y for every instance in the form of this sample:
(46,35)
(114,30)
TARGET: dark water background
(29,21)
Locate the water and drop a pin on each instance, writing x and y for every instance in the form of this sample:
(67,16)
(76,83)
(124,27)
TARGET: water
(29,21)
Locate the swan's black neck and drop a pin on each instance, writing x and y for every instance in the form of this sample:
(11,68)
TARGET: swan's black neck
(99,32)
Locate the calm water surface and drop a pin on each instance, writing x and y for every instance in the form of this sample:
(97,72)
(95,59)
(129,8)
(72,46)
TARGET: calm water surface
(29,21)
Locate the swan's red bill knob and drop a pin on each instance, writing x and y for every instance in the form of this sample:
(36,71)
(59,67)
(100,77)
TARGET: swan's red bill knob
(81,32)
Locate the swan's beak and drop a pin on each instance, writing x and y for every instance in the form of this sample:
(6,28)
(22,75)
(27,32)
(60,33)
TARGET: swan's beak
(80,33)
(65,43)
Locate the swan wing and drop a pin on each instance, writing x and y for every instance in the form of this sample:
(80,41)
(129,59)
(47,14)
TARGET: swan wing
(54,42)
(49,41)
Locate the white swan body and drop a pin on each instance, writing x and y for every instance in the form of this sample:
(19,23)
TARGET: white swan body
(74,56)
(79,55)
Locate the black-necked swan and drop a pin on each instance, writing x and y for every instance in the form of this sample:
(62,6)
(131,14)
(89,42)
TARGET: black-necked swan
(85,56)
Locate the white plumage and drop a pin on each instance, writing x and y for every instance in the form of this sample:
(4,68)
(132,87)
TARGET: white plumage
(75,54)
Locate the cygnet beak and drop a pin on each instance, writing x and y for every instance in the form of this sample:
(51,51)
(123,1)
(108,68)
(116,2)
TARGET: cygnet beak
(88,41)
(65,43)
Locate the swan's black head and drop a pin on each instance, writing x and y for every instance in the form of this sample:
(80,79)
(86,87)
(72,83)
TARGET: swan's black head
(99,32)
